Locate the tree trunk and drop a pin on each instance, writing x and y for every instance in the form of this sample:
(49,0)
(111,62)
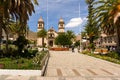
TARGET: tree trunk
(118,39)
(6,42)
(0,30)
(1,23)
(43,43)
(92,46)
(0,34)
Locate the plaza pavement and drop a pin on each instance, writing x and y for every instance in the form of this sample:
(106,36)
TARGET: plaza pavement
(75,65)
(65,65)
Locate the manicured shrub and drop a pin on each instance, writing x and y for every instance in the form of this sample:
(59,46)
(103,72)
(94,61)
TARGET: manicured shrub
(86,52)
(113,55)
(38,58)
(21,42)
(13,52)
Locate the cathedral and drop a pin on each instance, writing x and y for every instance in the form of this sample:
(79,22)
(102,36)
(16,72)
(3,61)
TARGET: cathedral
(51,33)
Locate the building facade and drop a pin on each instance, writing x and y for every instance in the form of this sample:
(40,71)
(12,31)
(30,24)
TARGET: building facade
(49,40)
(106,41)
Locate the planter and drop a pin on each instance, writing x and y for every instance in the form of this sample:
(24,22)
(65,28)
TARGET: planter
(15,72)
(59,49)
(2,66)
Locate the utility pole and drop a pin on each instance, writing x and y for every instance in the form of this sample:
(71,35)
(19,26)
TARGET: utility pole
(47,24)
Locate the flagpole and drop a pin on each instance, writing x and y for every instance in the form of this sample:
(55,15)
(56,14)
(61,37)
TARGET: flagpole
(80,32)
(47,23)
(47,14)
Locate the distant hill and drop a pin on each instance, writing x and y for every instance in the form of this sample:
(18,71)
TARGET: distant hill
(32,35)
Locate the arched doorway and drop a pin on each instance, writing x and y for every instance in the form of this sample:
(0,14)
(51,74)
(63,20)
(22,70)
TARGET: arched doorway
(51,43)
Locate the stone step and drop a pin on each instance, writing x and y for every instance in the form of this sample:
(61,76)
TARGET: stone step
(64,72)
(57,78)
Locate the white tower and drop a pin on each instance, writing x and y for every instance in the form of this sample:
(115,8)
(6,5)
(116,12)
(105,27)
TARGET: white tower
(40,27)
(40,24)
(61,26)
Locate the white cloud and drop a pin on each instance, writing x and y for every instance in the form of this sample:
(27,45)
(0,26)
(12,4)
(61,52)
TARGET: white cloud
(74,22)
(85,19)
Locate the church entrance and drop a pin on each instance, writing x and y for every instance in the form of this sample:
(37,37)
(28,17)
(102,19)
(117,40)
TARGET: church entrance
(51,43)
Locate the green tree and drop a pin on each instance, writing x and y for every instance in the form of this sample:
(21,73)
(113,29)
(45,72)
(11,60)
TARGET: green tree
(107,14)
(42,34)
(63,39)
(70,34)
(21,42)
(15,28)
(77,43)
(17,9)
(84,34)
(6,28)
(11,27)
(90,28)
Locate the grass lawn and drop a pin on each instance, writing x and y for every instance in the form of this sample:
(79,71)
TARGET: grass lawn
(33,63)
(111,56)
(22,63)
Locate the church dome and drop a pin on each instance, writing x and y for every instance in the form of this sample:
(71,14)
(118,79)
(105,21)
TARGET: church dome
(51,29)
(61,20)
(40,20)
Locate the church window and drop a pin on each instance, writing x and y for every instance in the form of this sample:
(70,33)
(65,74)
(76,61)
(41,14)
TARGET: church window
(40,25)
(61,25)
(105,40)
(50,35)
(109,39)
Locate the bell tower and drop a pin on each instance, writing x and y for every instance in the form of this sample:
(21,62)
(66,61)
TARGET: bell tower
(40,27)
(40,24)
(61,26)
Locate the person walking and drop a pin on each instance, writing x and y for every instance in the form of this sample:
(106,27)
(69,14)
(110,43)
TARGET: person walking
(72,47)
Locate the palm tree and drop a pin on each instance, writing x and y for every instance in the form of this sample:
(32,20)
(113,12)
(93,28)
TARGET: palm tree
(107,14)
(17,9)
(42,33)
(11,27)
(6,28)
(70,34)
(15,28)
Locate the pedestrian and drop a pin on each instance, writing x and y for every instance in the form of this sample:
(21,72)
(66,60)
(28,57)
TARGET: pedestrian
(111,49)
(72,47)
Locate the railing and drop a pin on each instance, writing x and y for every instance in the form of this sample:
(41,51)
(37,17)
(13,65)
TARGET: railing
(44,63)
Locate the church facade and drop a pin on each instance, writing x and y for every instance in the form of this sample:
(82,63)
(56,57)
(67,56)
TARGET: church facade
(49,40)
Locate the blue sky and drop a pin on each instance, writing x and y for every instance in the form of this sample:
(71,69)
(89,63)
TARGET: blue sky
(67,9)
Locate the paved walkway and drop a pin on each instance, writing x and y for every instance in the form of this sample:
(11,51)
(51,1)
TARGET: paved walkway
(68,64)
(65,65)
